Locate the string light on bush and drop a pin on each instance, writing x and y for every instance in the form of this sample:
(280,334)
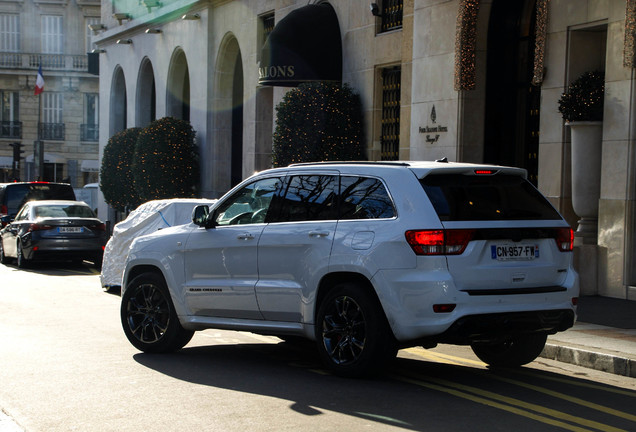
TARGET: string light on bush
(540,39)
(629,48)
(465,45)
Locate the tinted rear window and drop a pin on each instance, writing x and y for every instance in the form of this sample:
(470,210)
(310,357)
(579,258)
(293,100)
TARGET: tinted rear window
(459,197)
(16,195)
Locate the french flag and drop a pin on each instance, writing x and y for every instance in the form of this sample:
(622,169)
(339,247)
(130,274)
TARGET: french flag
(39,82)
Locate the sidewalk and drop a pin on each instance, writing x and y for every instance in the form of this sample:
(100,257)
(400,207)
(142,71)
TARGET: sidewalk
(604,337)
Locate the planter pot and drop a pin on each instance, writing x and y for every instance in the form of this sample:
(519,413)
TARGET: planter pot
(587,140)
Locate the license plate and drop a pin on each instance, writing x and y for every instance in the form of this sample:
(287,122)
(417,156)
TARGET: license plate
(508,252)
(70,230)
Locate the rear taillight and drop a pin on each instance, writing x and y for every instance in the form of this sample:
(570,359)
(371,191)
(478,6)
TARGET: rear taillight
(4,209)
(439,242)
(39,227)
(99,227)
(565,239)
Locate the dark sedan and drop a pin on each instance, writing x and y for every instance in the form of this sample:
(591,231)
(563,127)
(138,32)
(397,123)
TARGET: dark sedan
(53,231)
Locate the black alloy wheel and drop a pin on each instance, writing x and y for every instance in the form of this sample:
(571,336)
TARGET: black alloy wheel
(352,333)
(3,258)
(22,262)
(149,318)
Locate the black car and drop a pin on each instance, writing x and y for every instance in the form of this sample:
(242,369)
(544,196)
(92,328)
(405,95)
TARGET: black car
(53,231)
(14,195)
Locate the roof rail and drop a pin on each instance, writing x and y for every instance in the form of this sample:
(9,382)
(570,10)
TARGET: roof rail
(388,163)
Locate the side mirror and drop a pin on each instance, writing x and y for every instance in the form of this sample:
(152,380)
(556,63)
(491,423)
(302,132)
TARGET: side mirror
(6,220)
(200,215)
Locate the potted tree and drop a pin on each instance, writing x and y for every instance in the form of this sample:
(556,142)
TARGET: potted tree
(582,109)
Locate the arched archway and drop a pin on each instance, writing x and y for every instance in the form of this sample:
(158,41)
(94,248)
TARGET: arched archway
(178,88)
(118,102)
(146,110)
(500,114)
(228,112)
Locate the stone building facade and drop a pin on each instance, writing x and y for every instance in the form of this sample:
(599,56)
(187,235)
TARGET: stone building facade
(469,80)
(53,35)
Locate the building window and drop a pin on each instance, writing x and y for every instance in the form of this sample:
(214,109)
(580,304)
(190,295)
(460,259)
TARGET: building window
(266,25)
(11,127)
(89,33)
(90,128)
(9,33)
(52,127)
(392,14)
(10,41)
(52,34)
(390,137)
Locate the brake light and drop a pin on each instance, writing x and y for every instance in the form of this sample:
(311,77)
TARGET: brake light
(565,239)
(4,209)
(38,227)
(439,242)
(485,172)
(99,227)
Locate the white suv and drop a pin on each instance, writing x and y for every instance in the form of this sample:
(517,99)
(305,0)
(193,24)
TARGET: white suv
(364,258)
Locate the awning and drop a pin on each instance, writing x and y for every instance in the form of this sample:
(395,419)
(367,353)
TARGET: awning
(6,162)
(304,46)
(49,158)
(89,166)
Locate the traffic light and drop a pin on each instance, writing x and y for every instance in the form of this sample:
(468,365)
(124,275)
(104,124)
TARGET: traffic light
(17,151)
(17,155)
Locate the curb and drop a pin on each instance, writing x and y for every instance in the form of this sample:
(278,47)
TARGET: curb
(590,359)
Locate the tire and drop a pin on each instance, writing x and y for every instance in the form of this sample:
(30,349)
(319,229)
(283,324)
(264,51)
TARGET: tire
(149,318)
(352,334)
(3,257)
(512,353)
(22,262)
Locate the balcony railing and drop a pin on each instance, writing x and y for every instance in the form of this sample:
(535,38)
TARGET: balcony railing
(78,63)
(89,132)
(10,129)
(52,131)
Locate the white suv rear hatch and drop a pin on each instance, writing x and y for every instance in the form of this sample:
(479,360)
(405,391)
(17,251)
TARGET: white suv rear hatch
(501,236)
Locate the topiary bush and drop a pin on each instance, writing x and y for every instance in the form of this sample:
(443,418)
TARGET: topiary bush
(318,122)
(166,162)
(583,100)
(115,175)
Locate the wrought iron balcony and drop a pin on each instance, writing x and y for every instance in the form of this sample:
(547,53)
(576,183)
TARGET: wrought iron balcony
(10,129)
(52,131)
(77,63)
(89,132)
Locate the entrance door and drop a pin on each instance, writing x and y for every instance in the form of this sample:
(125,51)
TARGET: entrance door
(512,102)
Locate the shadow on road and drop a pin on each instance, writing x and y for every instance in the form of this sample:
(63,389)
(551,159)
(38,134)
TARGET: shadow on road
(412,394)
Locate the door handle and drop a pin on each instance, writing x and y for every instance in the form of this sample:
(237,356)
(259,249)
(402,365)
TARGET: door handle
(318,233)
(246,236)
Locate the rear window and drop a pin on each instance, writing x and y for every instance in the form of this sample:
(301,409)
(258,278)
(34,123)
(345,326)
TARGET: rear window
(458,197)
(16,195)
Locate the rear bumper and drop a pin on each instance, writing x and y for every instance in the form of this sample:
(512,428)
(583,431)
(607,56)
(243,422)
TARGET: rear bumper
(503,326)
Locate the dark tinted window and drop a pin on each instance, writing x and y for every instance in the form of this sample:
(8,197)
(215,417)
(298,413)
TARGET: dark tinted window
(364,198)
(16,195)
(499,197)
(309,198)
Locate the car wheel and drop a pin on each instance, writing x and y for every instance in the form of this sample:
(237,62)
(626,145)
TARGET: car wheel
(513,352)
(352,334)
(3,257)
(149,318)
(21,259)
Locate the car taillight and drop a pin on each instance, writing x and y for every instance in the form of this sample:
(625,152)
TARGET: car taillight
(439,242)
(565,239)
(99,227)
(39,227)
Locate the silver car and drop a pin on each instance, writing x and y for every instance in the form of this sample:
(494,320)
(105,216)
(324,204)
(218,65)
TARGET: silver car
(53,231)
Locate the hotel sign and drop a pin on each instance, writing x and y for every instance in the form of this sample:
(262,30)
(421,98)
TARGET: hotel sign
(433,132)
